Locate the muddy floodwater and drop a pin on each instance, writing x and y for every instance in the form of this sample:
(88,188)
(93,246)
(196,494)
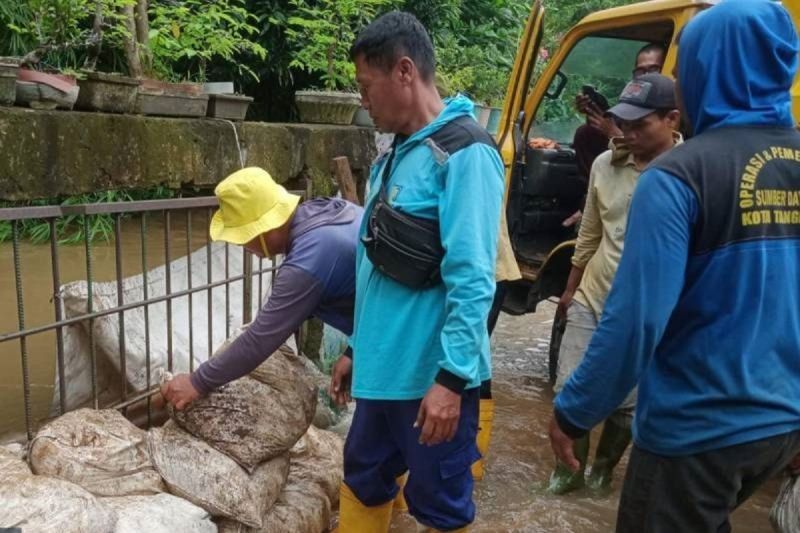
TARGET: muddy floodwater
(511,497)
(38,292)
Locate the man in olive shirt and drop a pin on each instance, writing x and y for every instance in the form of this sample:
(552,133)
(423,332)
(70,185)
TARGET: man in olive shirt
(649,120)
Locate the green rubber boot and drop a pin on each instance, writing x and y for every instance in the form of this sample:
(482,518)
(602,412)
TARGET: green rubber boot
(564,480)
(612,445)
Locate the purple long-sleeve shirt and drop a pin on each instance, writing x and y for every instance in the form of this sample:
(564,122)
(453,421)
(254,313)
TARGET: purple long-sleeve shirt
(316,278)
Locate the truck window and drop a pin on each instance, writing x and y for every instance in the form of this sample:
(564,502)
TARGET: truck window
(605,63)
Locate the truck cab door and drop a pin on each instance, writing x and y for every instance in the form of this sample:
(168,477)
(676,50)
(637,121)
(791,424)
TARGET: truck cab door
(544,185)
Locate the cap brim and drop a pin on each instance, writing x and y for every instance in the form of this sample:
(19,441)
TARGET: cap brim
(274,218)
(630,112)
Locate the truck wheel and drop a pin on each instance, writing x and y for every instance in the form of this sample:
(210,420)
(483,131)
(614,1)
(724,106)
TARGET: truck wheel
(559,325)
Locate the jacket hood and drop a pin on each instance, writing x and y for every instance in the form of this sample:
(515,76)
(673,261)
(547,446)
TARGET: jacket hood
(736,63)
(454,107)
(317,212)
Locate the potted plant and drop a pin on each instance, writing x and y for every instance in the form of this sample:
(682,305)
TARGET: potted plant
(8,80)
(47,31)
(43,90)
(182,38)
(490,85)
(322,33)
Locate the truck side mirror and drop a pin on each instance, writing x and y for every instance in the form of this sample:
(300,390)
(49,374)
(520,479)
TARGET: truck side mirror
(557,88)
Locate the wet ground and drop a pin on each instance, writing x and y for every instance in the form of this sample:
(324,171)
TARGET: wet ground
(511,497)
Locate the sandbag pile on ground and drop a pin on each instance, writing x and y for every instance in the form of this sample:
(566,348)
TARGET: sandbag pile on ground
(99,450)
(162,513)
(44,504)
(785,513)
(311,491)
(257,417)
(195,471)
(246,454)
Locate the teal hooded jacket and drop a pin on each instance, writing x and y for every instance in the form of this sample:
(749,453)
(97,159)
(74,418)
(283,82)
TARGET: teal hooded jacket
(404,338)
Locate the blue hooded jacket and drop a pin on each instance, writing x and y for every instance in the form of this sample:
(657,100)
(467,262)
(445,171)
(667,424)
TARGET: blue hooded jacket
(403,337)
(712,339)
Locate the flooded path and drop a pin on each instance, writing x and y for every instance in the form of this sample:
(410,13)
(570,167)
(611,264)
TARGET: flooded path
(511,497)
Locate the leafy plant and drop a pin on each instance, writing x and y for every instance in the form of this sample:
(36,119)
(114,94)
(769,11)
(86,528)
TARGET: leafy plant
(57,31)
(71,229)
(322,32)
(185,36)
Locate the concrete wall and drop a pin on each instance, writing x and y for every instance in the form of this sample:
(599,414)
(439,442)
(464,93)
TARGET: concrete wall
(44,154)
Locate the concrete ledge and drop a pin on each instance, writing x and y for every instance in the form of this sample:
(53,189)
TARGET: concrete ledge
(53,153)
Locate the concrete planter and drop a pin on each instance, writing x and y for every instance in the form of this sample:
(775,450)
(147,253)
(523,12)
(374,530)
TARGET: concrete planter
(494,120)
(40,90)
(228,106)
(363,119)
(109,93)
(8,83)
(482,114)
(171,99)
(170,105)
(327,107)
(218,87)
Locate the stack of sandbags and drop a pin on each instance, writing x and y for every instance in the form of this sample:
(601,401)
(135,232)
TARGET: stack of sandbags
(257,417)
(311,491)
(195,471)
(247,452)
(99,450)
(39,503)
(93,473)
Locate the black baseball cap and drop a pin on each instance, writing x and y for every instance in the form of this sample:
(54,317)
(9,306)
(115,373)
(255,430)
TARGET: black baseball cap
(644,95)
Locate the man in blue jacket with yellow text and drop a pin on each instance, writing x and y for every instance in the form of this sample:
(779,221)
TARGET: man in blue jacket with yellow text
(704,312)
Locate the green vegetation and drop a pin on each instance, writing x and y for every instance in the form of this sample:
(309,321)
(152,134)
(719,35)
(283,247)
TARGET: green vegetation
(71,229)
(322,32)
(305,41)
(185,37)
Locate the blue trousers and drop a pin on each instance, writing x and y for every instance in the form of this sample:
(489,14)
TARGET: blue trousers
(383,444)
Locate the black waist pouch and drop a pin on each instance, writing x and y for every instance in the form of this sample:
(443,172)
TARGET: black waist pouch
(404,247)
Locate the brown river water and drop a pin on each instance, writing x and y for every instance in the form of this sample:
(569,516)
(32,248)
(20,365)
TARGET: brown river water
(37,282)
(511,498)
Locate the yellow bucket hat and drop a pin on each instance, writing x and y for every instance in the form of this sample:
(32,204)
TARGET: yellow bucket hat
(250,203)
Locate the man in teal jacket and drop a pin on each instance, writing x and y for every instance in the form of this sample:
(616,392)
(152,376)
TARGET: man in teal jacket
(420,353)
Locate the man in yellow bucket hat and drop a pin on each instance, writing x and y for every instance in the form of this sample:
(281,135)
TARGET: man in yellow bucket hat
(316,278)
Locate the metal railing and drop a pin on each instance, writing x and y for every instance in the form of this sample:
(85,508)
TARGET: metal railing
(166,210)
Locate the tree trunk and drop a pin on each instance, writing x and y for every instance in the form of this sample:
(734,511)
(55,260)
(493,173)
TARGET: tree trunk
(96,39)
(131,49)
(143,37)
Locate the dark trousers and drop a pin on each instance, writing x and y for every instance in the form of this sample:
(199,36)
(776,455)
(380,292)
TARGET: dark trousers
(697,493)
(383,444)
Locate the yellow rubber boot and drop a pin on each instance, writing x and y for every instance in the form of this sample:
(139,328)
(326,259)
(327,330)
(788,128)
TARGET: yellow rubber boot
(400,500)
(485,419)
(355,517)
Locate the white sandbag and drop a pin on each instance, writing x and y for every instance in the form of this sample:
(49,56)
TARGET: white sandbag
(162,513)
(40,504)
(15,449)
(195,471)
(311,492)
(12,464)
(785,513)
(99,450)
(75,296)
(258,417)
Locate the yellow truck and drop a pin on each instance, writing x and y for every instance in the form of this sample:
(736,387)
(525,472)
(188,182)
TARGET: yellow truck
(543,185)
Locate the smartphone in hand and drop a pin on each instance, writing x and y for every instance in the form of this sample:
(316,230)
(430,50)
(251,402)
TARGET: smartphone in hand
(597,99)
